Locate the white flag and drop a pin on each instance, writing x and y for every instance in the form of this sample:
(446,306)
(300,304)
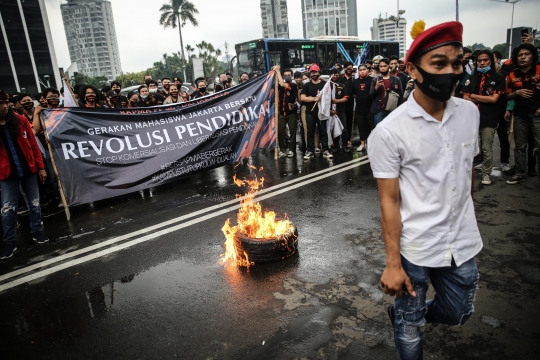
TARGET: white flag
(69,101)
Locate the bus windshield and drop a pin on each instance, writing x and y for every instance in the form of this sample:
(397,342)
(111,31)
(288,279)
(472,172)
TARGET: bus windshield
(251,60)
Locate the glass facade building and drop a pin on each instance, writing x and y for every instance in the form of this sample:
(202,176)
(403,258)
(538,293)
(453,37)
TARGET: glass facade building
(91,37)
(329,18)
(275,22)
(27,56)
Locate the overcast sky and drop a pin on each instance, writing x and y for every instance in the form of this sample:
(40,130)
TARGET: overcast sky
(142,41)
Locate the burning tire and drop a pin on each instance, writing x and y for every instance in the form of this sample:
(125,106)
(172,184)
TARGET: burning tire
(267,250)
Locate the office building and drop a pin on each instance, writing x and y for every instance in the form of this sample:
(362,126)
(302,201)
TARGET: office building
(91,37)
(391,29)
(275,22)
(329,18)
(27,57)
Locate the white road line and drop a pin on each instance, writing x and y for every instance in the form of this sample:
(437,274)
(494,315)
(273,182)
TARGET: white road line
(162,224)
(154,235)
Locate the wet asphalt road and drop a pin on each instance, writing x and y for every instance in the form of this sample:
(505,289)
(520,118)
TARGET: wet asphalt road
(170,297)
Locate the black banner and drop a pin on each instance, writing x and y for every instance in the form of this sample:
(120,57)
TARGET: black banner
(102,153)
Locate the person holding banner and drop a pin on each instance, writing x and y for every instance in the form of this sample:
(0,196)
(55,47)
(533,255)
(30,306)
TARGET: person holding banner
(20,164)
(288,94)
(88,97)
(173,97)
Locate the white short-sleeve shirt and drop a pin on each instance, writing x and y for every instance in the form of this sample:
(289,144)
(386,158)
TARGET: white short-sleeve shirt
(433,161)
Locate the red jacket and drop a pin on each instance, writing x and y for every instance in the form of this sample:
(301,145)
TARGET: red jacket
(29,147)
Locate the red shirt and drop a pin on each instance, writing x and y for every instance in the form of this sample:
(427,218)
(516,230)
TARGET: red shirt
(386,87)
(29,147)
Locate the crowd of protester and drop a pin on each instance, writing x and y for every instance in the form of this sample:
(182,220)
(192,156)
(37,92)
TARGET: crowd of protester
(507,95)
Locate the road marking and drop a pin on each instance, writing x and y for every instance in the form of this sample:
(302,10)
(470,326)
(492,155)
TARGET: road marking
(287,186)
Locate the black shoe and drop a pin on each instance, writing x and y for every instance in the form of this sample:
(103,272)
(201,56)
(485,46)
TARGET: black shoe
(8,250)
(391,314)
(533,173)
(515,179)
(40,237)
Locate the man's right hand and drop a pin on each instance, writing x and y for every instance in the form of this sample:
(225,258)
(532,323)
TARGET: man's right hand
(378,84)
(392,281)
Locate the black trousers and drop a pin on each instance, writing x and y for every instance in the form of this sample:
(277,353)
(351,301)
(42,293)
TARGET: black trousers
(364,120)
(349,114)
(502,133)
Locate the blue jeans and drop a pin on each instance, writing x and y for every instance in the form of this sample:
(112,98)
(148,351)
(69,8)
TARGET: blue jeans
(523,126)
(378,117)
(455,289)
(10,202)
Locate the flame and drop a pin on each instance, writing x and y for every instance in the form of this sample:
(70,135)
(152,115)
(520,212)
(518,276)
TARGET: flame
(252,222)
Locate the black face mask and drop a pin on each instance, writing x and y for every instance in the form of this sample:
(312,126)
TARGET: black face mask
(229,80)
(202,90)
(375,67)
(117,91)
(28,105)
(438,86)
(54,102)
(315,77)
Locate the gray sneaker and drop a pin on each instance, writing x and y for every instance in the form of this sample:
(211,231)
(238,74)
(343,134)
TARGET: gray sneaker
(505,167)
(308,155)
(327,155)
(486,180)
(282,154)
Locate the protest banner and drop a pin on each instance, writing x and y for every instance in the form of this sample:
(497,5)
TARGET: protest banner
(101,153)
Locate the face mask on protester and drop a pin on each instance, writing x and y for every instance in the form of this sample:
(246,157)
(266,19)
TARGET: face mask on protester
(53,101)
(484,70)
(28,105)
(117,91)
(305,81)
(375,67)
(152,91)
(315,77)
(437,86)
(144,97)
(202,90)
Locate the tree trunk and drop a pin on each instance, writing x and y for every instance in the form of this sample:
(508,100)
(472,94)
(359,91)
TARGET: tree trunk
(182,48)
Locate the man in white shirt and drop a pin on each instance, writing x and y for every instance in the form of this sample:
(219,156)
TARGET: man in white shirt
(422,156)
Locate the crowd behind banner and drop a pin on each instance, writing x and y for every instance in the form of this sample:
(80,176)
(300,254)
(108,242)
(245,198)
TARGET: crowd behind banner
(322,113)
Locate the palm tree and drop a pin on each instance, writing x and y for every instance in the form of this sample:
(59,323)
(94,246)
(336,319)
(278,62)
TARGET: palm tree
(189,50)
(176,14)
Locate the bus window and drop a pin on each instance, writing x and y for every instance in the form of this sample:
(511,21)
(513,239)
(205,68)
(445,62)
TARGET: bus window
(251,60)
(326,57)
(374,50)
(275,59)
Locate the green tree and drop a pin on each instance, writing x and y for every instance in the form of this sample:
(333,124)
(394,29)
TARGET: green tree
(176,14)
(97,81)
(212,66)
(477,46)
(502,48)
(129,79)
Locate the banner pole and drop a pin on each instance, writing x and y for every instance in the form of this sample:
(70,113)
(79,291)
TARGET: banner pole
(60,188)
(276,114)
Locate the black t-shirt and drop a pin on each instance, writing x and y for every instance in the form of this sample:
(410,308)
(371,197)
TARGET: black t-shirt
(312,90)
(286,97)
(518,80)
(361,89)
(13,172)
(486,85)
(340,93)
(348,85)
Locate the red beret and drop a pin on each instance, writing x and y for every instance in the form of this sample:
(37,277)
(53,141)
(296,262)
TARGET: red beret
(440,35)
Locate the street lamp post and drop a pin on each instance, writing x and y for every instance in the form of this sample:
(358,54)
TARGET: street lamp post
(513,2)
(398,17)
(47,77)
